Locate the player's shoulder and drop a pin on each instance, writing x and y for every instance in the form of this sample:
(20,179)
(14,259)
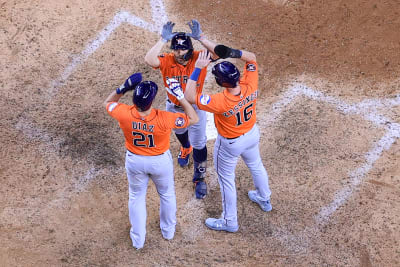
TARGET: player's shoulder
(251,66)
(166,55)
(206,99)
(116,106)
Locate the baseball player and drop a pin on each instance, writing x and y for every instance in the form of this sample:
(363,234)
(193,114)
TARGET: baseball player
(235,119)
(147,137)
(179,65)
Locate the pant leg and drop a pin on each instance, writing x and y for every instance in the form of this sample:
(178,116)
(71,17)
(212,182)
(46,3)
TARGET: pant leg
(163,178)
(251,156)
(197,132)
(225,160)
(138,181)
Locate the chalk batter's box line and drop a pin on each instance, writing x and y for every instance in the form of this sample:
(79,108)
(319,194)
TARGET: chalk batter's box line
(363,109)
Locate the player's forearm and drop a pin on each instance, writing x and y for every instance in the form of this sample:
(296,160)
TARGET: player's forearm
(113,97)
(190,91)
(151,57)
(189,110)
(248,56)
(209,45)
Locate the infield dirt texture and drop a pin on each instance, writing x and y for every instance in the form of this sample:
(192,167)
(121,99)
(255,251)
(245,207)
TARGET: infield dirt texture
(329,114)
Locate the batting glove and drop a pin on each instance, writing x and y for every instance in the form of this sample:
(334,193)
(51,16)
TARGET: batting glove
(194,25)
(166,32)
(130,83)
(175,89)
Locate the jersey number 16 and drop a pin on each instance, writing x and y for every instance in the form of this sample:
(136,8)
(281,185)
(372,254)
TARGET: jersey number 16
(247,113)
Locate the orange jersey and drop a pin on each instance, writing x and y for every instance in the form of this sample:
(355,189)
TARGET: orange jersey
(171,69)
(234,115)
(150,135)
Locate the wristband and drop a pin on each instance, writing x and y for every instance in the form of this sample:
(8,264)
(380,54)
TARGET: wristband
(195,74)
(235,53)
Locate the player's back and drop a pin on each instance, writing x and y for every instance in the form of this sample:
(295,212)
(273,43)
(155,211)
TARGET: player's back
(149,135)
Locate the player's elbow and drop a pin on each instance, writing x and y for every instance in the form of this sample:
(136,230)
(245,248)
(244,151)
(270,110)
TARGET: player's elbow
(251,57)
(194,119)
(151,61)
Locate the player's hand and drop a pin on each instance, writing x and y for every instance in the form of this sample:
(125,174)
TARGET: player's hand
(175,89)
(130,83)
(194,26)
(166,32)
(203,60)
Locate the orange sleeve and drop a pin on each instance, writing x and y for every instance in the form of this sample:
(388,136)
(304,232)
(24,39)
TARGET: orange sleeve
(115,108)
(163,61)
(174,120)
(250,74)
(211,103)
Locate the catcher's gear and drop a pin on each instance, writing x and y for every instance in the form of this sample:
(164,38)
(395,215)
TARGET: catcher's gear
(226,74)
(174,88)
(225,52)
(144,94)
(180,41)
(166,32)
(194,26)
(130,83)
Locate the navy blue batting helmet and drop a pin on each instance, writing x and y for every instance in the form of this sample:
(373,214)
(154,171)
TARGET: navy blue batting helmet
(226,74)
(182,42)
(144,94)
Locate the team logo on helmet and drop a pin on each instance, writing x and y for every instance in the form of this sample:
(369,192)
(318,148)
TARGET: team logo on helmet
(180,41)
(180,121)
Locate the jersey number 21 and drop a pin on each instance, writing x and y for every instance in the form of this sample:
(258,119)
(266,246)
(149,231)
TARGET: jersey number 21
(139,139)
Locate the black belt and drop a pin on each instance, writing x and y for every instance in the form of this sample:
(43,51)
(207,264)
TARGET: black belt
(176,106)
(234,137)
(144,155)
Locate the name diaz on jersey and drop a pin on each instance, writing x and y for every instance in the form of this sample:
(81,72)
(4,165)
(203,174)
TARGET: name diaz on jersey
(142,126)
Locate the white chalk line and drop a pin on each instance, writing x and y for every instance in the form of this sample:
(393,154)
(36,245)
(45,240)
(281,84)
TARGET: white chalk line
(364,109)
(159,18)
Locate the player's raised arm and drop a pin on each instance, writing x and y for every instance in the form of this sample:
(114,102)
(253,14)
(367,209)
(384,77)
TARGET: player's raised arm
(151,57)
(202,62)
(128,85)
(174,88)
(226,52)
(198,35)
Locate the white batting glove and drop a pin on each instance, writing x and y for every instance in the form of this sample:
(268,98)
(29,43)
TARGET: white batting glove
(175,89)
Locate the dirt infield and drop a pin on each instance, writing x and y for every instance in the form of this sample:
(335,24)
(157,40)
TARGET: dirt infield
(329,114)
